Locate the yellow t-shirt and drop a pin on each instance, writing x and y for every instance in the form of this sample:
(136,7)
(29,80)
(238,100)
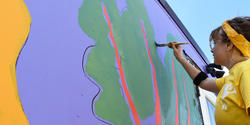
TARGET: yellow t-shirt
(233,99)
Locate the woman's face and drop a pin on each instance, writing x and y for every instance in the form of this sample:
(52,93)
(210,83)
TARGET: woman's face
(218,48)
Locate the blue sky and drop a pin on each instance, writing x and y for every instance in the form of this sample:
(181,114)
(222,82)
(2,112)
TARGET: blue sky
(200,17)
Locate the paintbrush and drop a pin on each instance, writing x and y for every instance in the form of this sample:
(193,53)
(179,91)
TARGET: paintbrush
(168,44)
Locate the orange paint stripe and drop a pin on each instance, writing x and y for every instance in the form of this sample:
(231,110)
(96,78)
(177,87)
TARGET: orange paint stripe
(176,95)
(157,98)
(186,98)
(107,17)
(130,101)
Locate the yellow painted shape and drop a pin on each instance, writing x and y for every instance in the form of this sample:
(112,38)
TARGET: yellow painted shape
(14,29)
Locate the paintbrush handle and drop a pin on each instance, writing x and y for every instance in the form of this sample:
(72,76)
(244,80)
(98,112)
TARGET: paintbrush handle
(178,43)
(169,44)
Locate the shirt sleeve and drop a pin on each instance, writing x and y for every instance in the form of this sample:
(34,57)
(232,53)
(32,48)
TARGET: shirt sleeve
(245,89)
(220,82)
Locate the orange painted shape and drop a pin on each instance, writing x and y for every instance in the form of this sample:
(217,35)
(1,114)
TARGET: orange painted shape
(176,95)
(14,29)
(107,17)
(157,97)
(186,97)
(121,71)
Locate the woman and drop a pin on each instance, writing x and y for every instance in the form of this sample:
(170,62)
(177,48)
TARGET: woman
(230,45)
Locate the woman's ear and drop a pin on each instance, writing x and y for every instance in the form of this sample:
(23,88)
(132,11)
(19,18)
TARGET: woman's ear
(230,46)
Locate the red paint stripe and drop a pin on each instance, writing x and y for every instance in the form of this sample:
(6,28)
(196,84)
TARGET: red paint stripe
(130,101)
(176,95)
(107,17)
(186,98)
(157,98)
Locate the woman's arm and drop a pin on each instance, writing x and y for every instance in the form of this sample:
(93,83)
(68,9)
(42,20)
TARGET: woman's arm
(207,84)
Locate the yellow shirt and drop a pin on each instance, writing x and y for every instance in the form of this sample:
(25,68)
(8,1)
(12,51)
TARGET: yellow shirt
(233,99)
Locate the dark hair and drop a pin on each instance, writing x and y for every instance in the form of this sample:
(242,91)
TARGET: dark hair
(240,24)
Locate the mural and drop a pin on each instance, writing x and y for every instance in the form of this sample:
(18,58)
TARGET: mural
(94,62)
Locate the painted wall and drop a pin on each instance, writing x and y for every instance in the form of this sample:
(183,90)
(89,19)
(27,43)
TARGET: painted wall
(94,62)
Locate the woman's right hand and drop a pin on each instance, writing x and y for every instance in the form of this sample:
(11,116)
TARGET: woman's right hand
(177,51)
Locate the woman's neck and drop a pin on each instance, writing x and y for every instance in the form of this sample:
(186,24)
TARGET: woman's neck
(236,60)
(234,57)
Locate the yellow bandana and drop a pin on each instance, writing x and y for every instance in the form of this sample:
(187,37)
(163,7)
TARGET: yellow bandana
(237,39)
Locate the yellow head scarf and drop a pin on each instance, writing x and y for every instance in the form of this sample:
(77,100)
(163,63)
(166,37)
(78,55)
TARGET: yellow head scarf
(237,39)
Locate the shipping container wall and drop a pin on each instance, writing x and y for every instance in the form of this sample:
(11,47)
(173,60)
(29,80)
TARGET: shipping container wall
(94,62)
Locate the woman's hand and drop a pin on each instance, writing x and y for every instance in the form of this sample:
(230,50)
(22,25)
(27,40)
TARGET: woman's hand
(177,51)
